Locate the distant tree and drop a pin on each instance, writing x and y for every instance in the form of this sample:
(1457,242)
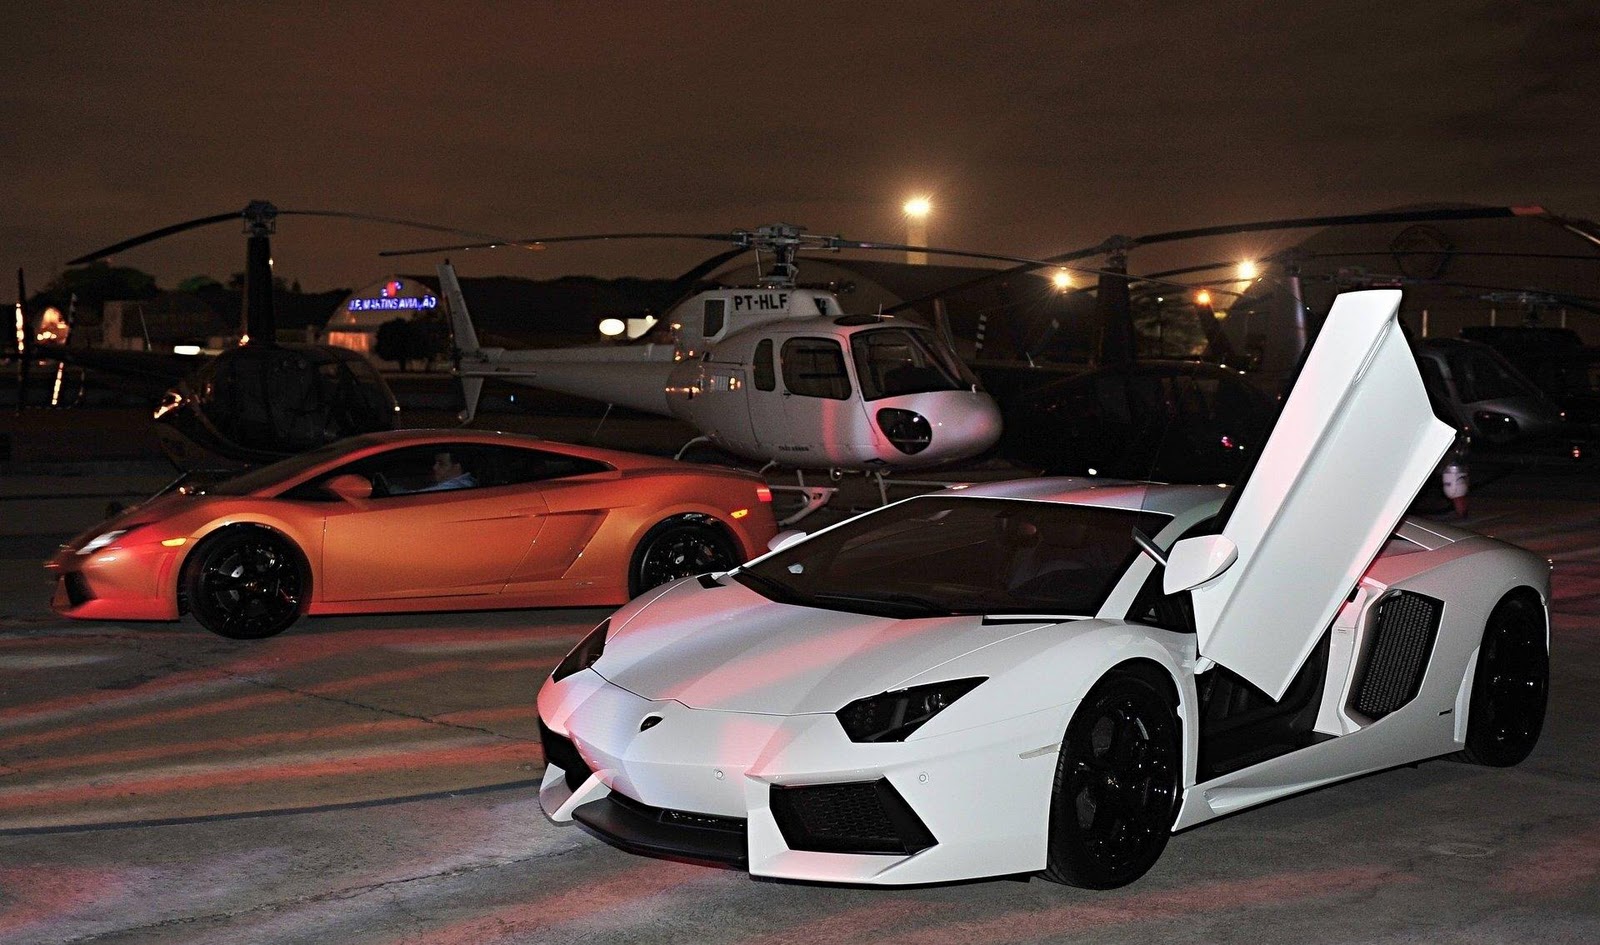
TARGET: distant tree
(196,284)
(97,283)
(236,282)
(403,341)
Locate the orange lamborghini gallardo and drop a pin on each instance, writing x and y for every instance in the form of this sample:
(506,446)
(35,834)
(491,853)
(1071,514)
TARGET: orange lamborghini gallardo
(414,520)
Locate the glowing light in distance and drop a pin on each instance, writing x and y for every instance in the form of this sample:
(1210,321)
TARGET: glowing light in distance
(1202,297)
(918,207)
(185,349)
(612,327)
(1248,269)
(1062,279)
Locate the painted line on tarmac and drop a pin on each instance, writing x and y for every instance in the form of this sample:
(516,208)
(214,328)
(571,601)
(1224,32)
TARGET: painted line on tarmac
(274,812)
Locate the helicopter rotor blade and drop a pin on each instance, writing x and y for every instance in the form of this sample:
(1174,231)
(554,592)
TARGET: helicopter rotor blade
(536,243)
(1348,219)
(1115,244)
(176,228)
(153,235)
(706,267)
(395,221)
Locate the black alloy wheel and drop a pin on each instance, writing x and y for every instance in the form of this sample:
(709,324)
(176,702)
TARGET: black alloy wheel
(1118,780)
(679,548)
(246,583)
(1511,686)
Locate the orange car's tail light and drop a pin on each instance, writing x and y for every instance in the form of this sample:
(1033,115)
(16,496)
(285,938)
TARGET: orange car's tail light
(764,493)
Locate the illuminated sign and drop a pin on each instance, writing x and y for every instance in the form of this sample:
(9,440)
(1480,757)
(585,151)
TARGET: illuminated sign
(390,302)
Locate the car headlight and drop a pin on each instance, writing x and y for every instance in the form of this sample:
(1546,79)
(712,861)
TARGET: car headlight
(891,716)
(105,538)
(584,654)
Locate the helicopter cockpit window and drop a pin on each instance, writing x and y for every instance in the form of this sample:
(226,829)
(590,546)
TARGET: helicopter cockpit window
(1479,376)
(894,361)
(716,315)
(814,367)
(765,377)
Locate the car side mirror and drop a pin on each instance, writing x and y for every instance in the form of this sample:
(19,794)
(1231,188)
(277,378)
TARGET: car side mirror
(784,539)
(1194,561)
(350,487)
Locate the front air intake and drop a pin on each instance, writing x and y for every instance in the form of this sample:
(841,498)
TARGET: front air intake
(855,817)
(77,588)
(1403,633)
(563,754)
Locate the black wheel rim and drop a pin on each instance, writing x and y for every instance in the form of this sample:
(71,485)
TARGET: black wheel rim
(1516,680)
(250,587)
(1121,780)
(682,552)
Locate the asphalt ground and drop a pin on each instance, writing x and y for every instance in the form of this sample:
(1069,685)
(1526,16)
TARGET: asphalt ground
(374,780)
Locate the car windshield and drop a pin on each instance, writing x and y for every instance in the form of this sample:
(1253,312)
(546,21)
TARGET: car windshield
(949,554)
(281,471)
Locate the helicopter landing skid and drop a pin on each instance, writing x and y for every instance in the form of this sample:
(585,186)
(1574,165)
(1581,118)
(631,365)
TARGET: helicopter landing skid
(812,499)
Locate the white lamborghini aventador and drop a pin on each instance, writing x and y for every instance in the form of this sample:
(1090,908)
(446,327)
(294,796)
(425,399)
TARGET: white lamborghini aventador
(1054,675)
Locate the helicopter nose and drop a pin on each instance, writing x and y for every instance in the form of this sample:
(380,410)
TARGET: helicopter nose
(950,426)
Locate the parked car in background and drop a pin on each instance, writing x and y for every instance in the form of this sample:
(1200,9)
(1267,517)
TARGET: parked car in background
(414,520)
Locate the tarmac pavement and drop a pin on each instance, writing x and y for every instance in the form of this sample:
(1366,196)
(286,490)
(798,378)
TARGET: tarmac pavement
(373,780)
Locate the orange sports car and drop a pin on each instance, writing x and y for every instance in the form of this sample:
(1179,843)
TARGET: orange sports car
(413,520)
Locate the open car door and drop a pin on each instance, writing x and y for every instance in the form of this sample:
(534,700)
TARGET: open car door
(1356,440)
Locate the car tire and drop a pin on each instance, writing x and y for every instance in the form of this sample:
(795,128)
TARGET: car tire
(677,548)
(246,583)
(1117,785)
(1511,686)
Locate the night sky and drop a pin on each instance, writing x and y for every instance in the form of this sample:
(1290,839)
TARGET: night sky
(1035,127)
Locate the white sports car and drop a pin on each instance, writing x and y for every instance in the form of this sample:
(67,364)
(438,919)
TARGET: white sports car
(1054,675)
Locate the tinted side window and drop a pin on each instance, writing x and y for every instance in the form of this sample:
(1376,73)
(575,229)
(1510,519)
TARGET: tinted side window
(436,467)
(765,377)
(513,465)
(814,367)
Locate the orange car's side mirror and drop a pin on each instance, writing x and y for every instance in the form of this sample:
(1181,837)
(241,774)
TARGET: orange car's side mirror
(350,487)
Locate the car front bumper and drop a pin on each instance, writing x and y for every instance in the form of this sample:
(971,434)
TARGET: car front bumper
(136,582)
(791,796)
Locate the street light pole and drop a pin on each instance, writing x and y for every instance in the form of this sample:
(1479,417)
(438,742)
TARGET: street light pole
(916,211)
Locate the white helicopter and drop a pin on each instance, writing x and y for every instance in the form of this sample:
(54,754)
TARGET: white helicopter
(773,372)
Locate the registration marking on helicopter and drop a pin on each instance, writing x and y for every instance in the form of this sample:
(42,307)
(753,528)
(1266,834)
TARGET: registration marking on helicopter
(764,302)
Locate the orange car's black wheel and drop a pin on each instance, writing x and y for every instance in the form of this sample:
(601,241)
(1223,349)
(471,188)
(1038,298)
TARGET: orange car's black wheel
(246,583)
(677,548)
(1118,780)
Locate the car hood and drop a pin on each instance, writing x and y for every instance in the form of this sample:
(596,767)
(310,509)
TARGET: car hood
(152,510)
(728,648)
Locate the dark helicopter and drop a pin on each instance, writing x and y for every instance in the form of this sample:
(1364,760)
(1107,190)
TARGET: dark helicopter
(1096,383)
(261,400)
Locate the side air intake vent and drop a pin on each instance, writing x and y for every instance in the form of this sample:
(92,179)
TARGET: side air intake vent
(1403,636)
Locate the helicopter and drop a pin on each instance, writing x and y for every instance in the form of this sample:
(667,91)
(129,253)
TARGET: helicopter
(261,400)
(1116,377)
(774,372)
